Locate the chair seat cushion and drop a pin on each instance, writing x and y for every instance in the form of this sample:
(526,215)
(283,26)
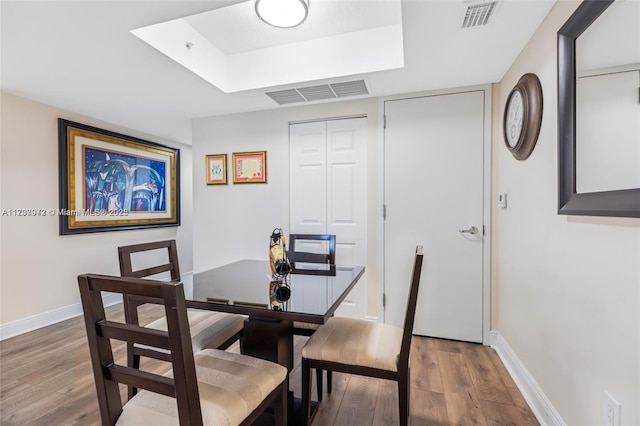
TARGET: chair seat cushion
(231,387)
(356,342)
(208,329)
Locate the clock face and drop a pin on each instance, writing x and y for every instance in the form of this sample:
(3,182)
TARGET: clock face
(513,122)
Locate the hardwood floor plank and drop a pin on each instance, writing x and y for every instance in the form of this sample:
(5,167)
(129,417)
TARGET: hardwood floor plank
(358,405)
(428,408)
(463,408)
(447,345)
(501,369)
(331,403)
(386,411)
(484,376)
(425,371)
(453,369)
(504,414)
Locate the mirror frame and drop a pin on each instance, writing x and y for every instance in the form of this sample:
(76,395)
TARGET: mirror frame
(622,203)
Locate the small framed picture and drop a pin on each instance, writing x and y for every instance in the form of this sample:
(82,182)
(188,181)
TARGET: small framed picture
(250,167)
(216,169)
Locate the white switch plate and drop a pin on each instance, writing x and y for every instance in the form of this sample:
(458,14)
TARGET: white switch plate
(502,200)
(611,410)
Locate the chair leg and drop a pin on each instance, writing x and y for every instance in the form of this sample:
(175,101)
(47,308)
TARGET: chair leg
(329,380)
(306,391)
(280,406)
(319,383)
(403,396)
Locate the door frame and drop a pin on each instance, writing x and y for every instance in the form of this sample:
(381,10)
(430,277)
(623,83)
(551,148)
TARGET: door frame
(486,198)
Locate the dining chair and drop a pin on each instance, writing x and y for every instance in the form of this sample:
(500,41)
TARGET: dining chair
(208,329)
(212,387)
(329,257)
(364,348)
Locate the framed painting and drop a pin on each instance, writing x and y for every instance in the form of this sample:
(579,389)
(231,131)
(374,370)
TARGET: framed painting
(216,166)
(109,181)
(250,167)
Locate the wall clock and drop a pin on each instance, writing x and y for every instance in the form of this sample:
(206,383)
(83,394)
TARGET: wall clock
(523,116)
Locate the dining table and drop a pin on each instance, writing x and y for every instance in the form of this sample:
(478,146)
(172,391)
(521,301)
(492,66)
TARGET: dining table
(313,293)
(247,287)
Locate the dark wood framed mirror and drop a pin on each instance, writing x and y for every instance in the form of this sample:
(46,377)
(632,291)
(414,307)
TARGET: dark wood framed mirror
(616,202)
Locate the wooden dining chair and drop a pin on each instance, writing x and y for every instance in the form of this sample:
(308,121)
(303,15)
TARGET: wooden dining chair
(209,329)
(300,255)
(212,387)
(364,348)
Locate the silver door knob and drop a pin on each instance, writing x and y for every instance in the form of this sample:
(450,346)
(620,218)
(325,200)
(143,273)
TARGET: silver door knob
(473,231)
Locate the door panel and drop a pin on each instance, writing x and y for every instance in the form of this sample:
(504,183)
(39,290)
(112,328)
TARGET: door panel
(329,193)
(308,178)
(433,189)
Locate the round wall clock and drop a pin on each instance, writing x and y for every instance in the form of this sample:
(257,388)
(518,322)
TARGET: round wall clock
(523,116)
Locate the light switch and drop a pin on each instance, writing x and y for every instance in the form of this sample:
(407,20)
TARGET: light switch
(502,200)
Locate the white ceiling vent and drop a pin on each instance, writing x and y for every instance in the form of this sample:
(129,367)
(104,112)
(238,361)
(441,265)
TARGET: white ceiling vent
(478,13)
(319,92)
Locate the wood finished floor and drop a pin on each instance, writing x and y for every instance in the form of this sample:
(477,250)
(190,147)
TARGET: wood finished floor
(46,379)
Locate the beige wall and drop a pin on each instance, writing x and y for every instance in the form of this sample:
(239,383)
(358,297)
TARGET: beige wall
(234,221)
(566,289)
(39,267)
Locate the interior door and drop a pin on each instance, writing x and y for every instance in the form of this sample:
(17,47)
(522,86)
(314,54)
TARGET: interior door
(433,195)
(329,192)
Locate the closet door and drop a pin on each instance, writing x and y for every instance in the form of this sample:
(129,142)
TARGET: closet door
(329,193)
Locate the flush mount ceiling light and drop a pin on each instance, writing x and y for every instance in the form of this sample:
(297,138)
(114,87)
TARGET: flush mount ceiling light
(282,13)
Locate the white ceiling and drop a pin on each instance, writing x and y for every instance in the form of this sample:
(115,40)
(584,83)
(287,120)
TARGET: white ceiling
(81,56)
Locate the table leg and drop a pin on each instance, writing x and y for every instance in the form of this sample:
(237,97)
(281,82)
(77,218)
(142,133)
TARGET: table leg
(270,340)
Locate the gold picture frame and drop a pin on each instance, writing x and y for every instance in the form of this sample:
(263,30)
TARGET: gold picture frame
(216,167)
(250,167)
(110,181)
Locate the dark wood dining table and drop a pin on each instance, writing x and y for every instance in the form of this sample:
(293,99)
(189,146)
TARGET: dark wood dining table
(243,287)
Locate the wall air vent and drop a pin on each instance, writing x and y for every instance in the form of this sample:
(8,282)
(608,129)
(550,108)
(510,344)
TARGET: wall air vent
(478,13)
(319,92)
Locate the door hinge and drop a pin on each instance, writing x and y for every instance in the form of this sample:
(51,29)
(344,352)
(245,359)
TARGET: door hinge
(483,230)
(384,212)
(384,121)
(384,300)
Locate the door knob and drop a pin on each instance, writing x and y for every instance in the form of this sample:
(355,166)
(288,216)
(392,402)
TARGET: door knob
(473,231)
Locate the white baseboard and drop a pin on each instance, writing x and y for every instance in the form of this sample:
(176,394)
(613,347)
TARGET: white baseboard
(371,318)
(537,400)
(34,322)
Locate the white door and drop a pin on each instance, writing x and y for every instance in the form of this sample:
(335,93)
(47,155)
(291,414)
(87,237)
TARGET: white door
(433,189)
(329,192)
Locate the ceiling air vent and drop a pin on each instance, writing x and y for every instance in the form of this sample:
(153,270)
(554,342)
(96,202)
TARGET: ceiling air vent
(478,13)
(319,92)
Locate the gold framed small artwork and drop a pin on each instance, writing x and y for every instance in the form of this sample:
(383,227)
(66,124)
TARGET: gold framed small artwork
(250,167)
(216,169)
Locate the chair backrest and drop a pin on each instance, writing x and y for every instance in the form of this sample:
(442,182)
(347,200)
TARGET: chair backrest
(125,256)
(303,256)
(177,339)
(411,307)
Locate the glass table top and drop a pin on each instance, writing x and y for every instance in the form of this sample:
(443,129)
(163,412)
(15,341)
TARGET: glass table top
(248,284)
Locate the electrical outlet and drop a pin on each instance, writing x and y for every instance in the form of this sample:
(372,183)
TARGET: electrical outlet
(611,410)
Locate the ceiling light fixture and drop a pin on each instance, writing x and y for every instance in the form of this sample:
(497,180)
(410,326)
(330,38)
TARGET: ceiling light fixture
(282,13)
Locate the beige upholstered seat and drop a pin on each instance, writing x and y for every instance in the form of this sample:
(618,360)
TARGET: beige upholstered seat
(208,329)
(364,348)
(231,386)
(356,342)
